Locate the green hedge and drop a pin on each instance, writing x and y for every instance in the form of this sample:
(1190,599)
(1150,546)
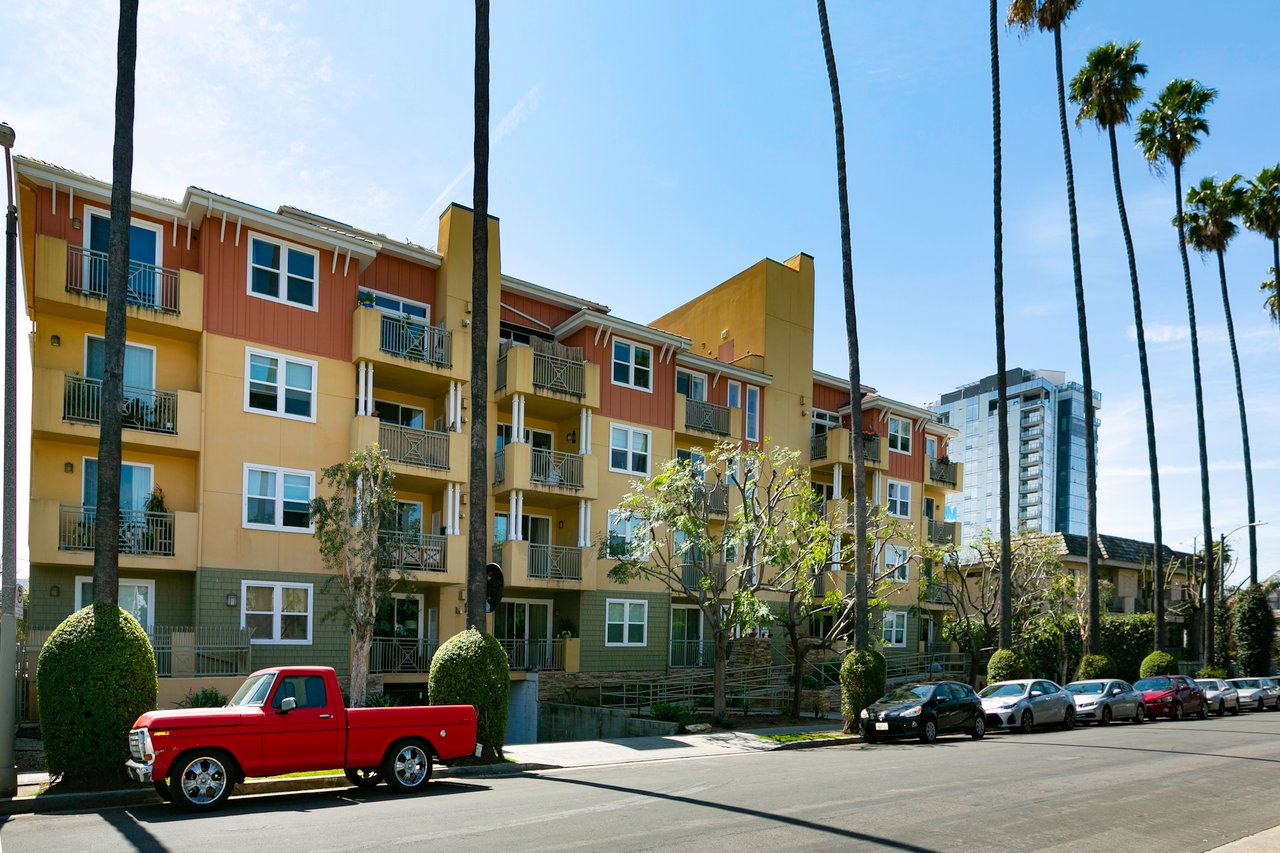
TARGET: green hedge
(96,675)
(862,681)
(1255,626)
(1095,666)
(1050,650)
(471,668)
(1005,665)
(1158,663)
(1127,639)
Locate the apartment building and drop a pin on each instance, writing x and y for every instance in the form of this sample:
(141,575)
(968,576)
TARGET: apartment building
(264,346)
(1046,453)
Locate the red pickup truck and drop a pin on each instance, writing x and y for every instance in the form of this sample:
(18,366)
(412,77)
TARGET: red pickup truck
(286,720)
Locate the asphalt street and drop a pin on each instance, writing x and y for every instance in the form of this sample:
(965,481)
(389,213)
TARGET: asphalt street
(1163,786)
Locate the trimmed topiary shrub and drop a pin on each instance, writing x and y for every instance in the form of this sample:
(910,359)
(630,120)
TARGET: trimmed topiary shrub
(1095,666)
(471,668)
(1005,665)
(96,675)
(1127,639)
(1255,631)
(1158,663)
(862,681)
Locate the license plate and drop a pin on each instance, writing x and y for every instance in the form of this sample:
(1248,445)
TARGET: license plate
(882,727)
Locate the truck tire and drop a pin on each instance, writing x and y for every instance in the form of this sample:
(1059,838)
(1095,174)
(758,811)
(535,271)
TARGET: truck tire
(363,777)
(202,779)
(407,766)
(162,788)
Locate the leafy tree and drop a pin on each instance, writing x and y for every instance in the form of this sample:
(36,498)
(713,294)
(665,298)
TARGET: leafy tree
(1106,89)
(1255,625)
(861,624)
(471,668)
(862,681)
(1168,131)
(347,525)
(1126,640)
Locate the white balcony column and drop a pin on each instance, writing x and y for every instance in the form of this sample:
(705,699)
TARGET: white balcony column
(584,446)
(360,389)
(514,522)
(448,509)
(837,482)
(517,418)
(368,397)
(835,553)
(584,522)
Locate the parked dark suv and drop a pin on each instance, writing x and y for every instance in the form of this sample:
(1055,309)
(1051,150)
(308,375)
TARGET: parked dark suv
(925,711)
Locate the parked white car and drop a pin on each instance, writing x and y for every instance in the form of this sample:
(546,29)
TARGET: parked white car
(1220,696)
(1027,703)
(1256,694)
(1101,700)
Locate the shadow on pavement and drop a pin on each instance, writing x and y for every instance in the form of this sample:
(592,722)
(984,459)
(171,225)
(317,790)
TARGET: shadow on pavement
(1031,742)
(742,810)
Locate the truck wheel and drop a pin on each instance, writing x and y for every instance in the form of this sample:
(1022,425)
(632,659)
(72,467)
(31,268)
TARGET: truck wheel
(407,767)
(202,779)
(363,777)
(162,788)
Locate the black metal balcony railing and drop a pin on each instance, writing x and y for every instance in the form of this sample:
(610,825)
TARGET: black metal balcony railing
(412,446)
(686,654)
(147,286)
(694,569)
(706,417)
(556,373)
(534,654)
(400,654)
(717,498)
(143,409)
(939,592)
(870,449)
(553,468)
(942,532)
(417,341)
(942,472)
(818,446)
(499,461)
(412,551)
(555,562)
(143,533)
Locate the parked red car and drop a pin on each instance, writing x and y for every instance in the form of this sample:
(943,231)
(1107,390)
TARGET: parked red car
(1172,696)
(291,719)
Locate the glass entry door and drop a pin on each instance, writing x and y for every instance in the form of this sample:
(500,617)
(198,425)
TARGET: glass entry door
(686,637)
(524,630)
(144,259)
(399,635)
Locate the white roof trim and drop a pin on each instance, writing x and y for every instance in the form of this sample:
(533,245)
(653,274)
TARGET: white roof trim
(722,368)
(625,328)
(546,294)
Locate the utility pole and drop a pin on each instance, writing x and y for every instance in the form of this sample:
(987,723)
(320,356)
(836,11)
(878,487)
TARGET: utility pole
(9,538)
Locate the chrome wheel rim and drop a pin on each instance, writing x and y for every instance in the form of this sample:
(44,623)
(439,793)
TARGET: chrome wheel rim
(411,765)
(203,780)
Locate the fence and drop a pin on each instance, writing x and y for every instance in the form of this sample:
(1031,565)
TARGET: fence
(412,446)
(692,653)
(555,562)
(395,654)
(417,341)
(141,532)
(142,408)
(534,654)
(555,468)
(413,551)
(147,285)
(706,417)
(818,446)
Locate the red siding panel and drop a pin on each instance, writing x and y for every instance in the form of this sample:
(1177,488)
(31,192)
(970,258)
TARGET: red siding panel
(828,398)
(400,277)
(656,409)
(59,225)
(552,315)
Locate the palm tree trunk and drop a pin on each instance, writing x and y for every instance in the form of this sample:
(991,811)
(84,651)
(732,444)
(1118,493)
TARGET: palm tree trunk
(1002,378)
(1094,643)
(106,540)
(1148,409)
(1244,431)
(478,490)
(1210,588)
(861,627)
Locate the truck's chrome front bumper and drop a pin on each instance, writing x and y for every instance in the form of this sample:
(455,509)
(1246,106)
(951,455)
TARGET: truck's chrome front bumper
(138,771)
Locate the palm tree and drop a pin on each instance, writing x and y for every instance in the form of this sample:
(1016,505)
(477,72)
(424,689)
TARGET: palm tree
(1106,88)
(1168,131)
(861,618)
(1210,227)
(477,519)
(1263,215)
(106,540)
(1271,301)
(1051,15)
(1002,377)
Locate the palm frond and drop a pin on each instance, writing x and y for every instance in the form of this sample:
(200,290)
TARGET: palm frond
(1107,85)
(1171,128)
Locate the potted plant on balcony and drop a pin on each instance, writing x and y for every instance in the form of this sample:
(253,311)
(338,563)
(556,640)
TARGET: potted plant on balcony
(157,531)
(364,299)
(870,435)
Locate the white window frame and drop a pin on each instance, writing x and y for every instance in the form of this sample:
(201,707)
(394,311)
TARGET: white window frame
(92,211)
(900,556)
(751,432)
(279,526)
(693,375)
(285,247)
(281,371)
(402,300)
(891,502)
(86,459)
(631,365)
(631,432)
(826,419)
(628,529)
(892,622)
(151,591)
(733,394)
(931,441)
(891,435)
(277,604)
(127,344)
(627,604)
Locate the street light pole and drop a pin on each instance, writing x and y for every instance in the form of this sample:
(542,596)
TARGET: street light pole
(9,537)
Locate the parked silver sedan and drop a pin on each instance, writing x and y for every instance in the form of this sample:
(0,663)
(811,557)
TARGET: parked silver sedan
(1027,703)
(1220,696)
(1101,700)
(1255,693)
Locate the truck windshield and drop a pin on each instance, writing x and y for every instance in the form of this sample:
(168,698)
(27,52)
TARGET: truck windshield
(253,693)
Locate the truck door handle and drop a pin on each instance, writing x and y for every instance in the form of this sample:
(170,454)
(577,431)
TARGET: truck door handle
(326,716)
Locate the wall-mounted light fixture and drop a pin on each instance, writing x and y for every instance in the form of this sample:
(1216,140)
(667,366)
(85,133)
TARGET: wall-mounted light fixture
(560,524)
(572,436)
(233,600)
(75,223)
(55,340)
(68,468)
(54,591)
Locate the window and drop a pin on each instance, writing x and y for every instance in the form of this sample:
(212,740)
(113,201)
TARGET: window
(896,563)
(893,630)
(823,422)
(306,690)
(277,612)
(629,450)
(632,365)
(899,434)
(398,306)
(136,597)
(400,414)
(622,532)
(931,446)
(692,385)
(271,260)
(899,503)
(733,394)
(278,499)
(279,385)
(626,622)
(753,413)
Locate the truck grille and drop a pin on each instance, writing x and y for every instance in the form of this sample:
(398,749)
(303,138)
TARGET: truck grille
(135,744)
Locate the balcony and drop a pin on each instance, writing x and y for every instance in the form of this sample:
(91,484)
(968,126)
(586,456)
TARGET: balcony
(696,568)
(66,406)
(71,281)
(1032,446)
(183,651)
(942,532)
(563,477)
(390,655)
(557,379)
(534,654)
(413,552)
(1030,500)
(144,409)
(716,497)
(63,535)
(411,446)
(410,339)
(142,533)
(408,355)
(943,472)
(701,419)
(1031,432)
(423,460)
(871,450)
(546,566)
(689,654)
(939,592)
(1029,473)
(834,446)
(555,562)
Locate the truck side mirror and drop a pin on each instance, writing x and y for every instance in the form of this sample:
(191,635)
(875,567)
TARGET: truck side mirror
(288,705)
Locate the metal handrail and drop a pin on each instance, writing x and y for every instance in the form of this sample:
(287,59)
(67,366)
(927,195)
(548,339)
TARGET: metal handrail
(413,551)
(554,468)
(870,449)
(416,341)
(400,654)
(706,417)
(688,654)
(534,654)
(942,532)
(555,562)
(555,373)
(196,650)
(695,567)
(147,285)
(818,446)
(413,446)
(942,472)
(143,533)
(144,409)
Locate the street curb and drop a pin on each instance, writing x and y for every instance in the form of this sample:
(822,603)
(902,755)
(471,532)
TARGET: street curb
(140,796)
(845,740)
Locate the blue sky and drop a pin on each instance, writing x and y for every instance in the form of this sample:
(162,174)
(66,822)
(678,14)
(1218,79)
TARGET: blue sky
(646,151)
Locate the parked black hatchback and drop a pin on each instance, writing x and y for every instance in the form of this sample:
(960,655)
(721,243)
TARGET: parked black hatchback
(925,711)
